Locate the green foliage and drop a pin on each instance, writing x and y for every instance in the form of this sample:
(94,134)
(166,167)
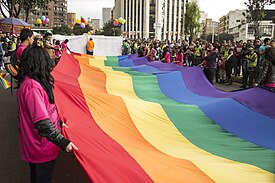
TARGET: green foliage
(77,30)
(255,13)
(192,17)
(110,30)
(226,37)
(63,30)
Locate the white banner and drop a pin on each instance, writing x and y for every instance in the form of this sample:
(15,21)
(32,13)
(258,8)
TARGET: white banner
(104,45)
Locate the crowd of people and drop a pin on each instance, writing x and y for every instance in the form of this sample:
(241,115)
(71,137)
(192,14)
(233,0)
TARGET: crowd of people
(253,61)
(9,43)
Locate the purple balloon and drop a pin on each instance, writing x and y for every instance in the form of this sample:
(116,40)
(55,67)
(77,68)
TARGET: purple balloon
(82,25)
(47,20)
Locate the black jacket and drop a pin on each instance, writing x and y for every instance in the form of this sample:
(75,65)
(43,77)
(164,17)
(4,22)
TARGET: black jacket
(267,74)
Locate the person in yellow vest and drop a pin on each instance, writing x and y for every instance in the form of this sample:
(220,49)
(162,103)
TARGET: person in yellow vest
(90,47)
(252,59)
(198,55)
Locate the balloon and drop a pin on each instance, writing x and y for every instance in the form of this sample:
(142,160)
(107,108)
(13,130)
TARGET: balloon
(43,18)
(82,20)
(89,33)
(86,23)
(117,21)
(78,21)
(123,21)
(46,21)
(120,20)
(82,25)
(39,21)
(120,24)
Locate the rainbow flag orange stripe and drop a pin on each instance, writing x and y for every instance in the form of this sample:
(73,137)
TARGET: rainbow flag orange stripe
(6,84)
(129,127)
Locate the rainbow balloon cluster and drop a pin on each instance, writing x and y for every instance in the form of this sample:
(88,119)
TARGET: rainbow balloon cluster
(119,22)
(43,20)
(82,22)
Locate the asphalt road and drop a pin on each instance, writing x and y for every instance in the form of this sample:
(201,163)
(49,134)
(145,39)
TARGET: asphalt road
(14,170)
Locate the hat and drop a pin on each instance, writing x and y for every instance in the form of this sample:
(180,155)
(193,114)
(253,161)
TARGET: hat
(250,48)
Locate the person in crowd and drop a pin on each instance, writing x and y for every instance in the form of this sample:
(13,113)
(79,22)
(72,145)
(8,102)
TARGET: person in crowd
(125,47)
(57,51)
(167,55)
(222,73)
(229,66)
(90,46)
(210,63)
(151,54)
(267,74)
(27,38)
(49,47)
(179,57)
(251,60)
(197,54)
(39,126)
(1,57)
(262,52)
(64,45)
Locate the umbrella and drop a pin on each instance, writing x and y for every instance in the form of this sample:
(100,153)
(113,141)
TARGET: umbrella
(12,25)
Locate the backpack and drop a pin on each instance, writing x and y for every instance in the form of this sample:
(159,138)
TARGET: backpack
(12,64)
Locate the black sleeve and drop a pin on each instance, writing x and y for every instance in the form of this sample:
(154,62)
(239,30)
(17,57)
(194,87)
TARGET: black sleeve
(46,129)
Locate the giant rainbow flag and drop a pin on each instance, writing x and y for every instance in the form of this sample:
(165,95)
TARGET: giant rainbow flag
(135,121)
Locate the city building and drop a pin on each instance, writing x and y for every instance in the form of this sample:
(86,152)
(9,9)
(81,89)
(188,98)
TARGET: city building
(106,15)
(71,19)
(233,19)
(56,11)
(160,19)
(222,28)
(235,23)
(210,27)
(202,20)
(95,23)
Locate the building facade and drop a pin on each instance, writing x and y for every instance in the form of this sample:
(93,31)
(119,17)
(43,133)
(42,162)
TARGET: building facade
(56,11)
(160,19)
(106,15)
(95,23)
(71,19)
(222,27)
(210,27)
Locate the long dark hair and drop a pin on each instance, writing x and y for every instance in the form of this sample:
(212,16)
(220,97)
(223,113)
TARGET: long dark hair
(36,63)
(270,54)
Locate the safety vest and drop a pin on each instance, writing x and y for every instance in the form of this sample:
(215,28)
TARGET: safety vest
(253,57)
(226,54)
(198,52)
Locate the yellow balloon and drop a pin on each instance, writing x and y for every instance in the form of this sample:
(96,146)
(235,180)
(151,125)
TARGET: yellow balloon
(78,21)
(39,21)
(89,33)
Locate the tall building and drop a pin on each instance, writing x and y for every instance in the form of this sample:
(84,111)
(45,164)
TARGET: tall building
(56,11)
(106,15)
(210,27)
(222,28)
(95,23)
(71,19)
(160,19)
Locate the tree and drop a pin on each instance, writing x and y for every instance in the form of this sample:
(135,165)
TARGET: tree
(11,8)
(77,30)
(110,30)
(63,30)
(226,37)
(255,13)
(192,17)
(30,5)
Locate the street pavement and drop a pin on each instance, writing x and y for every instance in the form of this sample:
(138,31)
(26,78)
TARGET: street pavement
(14,170)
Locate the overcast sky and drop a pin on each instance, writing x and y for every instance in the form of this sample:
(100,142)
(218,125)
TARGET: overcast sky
(214,8)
